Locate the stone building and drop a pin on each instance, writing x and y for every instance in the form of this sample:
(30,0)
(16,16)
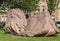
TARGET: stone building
(56,14)
(43,5)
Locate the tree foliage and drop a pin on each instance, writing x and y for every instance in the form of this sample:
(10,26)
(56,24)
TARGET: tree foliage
(29,5)
(1,2)
(51,5)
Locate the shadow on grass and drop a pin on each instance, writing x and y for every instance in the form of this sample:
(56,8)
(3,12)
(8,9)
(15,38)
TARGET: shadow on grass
(43,35)
(1,28)
(46,36)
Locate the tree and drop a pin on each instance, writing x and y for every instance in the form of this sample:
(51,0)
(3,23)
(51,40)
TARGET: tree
(1,1)
(51,5)
(29,5)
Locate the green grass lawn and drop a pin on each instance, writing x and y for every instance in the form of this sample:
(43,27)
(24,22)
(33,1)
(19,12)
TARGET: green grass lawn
(9,37)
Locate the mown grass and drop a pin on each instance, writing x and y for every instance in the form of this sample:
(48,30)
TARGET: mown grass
(10,37)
